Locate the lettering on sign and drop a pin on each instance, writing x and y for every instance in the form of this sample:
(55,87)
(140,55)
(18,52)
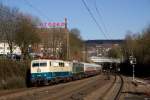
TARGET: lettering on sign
(51,24)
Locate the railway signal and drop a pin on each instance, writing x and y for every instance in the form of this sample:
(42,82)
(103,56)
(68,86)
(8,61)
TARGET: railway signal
(133,62)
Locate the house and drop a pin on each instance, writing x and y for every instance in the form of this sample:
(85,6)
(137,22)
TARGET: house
(4,49)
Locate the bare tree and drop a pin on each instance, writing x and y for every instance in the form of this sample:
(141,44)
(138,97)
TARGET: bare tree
(8,25)
(26,34)
(76,44)
(138,46)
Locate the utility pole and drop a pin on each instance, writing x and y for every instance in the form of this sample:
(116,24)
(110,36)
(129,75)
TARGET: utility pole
(68,44)
(53,42)
(4,47)
(84,52)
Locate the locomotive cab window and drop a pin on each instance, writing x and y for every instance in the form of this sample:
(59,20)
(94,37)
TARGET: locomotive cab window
(43,64)
(35,65)
(61,64)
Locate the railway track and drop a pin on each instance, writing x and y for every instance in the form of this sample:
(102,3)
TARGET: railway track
(93,88)
(79,91)
(69,91)
(113,91)
(117,97)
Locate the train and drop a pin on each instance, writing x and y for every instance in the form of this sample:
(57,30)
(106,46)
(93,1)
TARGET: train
(48,71)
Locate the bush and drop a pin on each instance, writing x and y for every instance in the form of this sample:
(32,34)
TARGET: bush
(13,82)
(13,74)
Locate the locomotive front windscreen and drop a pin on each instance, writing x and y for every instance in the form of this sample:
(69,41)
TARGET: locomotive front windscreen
(42,64)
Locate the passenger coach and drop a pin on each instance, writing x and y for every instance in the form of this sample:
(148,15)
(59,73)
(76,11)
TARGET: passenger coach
(91,69)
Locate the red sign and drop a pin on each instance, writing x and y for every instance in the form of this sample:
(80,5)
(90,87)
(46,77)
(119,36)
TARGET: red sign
(52,24)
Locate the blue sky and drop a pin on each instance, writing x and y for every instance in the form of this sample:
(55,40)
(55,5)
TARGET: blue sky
(119,16)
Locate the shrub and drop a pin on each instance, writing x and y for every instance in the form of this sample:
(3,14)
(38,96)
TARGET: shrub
(13,74)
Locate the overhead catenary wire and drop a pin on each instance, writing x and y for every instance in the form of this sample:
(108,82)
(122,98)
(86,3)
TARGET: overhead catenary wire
(36,9)
(99,13)
(94,19)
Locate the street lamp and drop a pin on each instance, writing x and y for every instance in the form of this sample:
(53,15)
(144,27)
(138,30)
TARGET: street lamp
(133,62)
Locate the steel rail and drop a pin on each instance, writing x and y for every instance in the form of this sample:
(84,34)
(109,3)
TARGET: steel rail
(117,97)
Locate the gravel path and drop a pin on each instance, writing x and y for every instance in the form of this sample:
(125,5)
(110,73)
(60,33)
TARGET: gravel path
(134,91)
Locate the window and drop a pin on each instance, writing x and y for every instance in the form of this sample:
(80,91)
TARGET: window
(50,64)
(35,64)
(61,64)
(44,64)
(7,48)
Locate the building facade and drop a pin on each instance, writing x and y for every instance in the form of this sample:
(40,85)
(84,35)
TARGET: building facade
(53,42)
(4,49)
(100,48)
